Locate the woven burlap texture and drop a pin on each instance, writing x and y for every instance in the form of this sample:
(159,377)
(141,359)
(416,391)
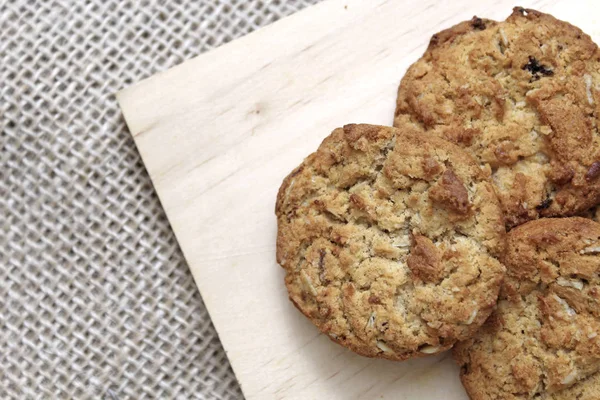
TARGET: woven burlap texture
(96,299)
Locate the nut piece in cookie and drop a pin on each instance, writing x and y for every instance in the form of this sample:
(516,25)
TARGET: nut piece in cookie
(451,193)
(424,260)
(522,96)
(390,240)
(543,337)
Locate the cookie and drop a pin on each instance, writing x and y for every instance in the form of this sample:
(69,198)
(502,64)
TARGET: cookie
(587,389)
(523,97)
(389,241)
(543,337)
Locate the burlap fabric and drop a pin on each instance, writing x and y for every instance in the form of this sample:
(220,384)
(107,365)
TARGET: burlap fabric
(96,299)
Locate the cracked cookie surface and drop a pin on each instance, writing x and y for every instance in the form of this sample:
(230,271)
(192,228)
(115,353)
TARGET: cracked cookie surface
(389,240)
(523,97)
(586,389)
(543,337)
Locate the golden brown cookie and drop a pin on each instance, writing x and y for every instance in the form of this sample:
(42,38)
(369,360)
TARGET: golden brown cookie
(389,239)
(523,96)
(586,389)
(543,337)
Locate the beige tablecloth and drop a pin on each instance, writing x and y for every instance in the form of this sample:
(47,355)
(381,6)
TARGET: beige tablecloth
(96,299)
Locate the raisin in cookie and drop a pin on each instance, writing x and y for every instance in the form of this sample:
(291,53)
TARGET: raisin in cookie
(543,337)
(389,240)
(523,96)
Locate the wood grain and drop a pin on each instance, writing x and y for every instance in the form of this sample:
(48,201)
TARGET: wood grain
(218,134)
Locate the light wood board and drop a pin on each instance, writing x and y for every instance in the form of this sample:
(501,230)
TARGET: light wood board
(218,134)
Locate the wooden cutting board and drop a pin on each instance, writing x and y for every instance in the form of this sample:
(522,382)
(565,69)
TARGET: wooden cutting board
(218,134)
